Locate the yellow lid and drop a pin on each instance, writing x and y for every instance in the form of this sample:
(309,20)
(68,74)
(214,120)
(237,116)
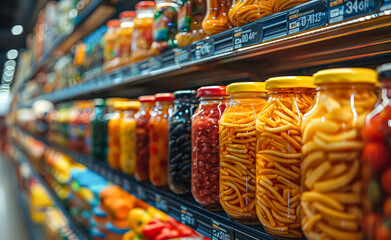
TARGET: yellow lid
(246,87)
(346,75)
(130,105)
(290,82)
(110,101)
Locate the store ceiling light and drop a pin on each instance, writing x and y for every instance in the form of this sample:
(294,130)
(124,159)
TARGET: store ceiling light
(10,63)
(17,30)
(12,54)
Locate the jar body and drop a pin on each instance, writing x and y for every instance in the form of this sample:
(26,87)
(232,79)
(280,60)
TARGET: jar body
(216,19)
(125,40)
(331,165)
(237,156)
(109,45)
(278,160)
(377,162)
(242,12)
(179,165)
(142,37)
(128,142)
(158,144)
(205,152)
(114,143)
(164,26)
(190,16)
(142,142)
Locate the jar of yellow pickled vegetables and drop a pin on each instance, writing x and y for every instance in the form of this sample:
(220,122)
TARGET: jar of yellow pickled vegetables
(142,37)
(128,137)
(331,198)
(245,11)
(114,144)
(279,154)
(237,141)
(109,42)
(216,18)
(125,36)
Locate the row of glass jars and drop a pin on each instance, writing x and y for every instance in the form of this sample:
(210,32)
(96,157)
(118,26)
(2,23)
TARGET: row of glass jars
(154,28)
(276,153)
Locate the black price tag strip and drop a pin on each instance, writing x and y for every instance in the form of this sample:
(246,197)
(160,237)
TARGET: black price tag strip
(345,9)
(182,55)
(188,218)
(160,203)
(140,193)
(155,63)
(204,48)
(247,35)
(307,17)
(221,232)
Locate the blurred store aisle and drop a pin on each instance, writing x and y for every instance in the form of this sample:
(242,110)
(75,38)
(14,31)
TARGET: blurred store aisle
(13,225)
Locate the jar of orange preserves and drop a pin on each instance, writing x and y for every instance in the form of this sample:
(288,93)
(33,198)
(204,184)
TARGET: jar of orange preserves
(109,40)
(158,139)
(128,137)
(125,36)
(237,141)
(331,197)
(279,154)
(216,18)
(142,137)
(114,144)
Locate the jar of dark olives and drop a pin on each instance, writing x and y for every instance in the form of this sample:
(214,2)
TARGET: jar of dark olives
(179,163)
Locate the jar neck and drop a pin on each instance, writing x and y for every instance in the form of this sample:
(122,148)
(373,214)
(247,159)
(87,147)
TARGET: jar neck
(247,96)
(213,99)
(147,105)
(348,86)
(163,103)
(145,13)
(127,22)
(185,100)
(287,91)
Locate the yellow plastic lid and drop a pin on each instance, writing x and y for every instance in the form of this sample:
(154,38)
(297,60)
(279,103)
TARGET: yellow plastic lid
(130,105)
(346,75)
(112,101)
(246,87)
(290,82)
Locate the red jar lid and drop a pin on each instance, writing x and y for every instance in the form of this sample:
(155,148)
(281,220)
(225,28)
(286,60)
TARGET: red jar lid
(147,98)
(160,97)
(145,4)
(114,23)
(127,14)
(212,91)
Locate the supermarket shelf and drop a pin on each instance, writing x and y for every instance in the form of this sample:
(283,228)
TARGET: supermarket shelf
(299,40)
(77,230)
(215,225)
(96,13)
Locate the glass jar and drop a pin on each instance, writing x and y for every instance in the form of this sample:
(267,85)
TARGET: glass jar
(109,39)
(114,144)
(205,146)
(142,137)
(158,139)
(243,12)
(125,36)
(190,16)
(278,130)
(377,163)
(85,127)
(142,37)
(282,5)
(237,150)
(331,189)
(128,137)
(179,163)
(216,19)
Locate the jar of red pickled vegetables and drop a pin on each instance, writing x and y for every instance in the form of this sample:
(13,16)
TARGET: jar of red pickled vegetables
(142,137)
(205,146)
(179,166)
(158,139)
(377,163)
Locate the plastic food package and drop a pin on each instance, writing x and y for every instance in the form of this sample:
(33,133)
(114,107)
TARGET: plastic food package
(216,19)
(128,137)
(331,198)
(179,165)
(205,146)
(142,137)
(142,37)
(190,16)
(158,139)
(377,162)
(279,154)
(237,150)
(164,26)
